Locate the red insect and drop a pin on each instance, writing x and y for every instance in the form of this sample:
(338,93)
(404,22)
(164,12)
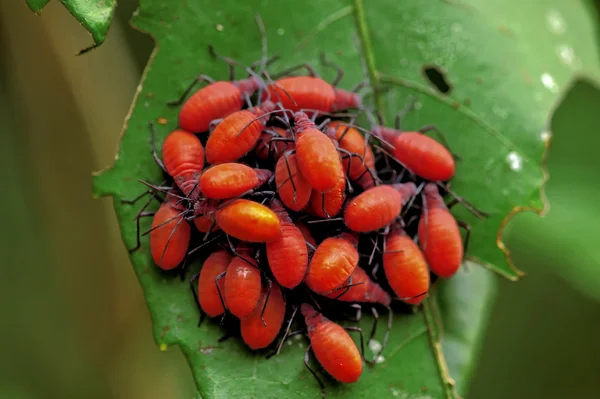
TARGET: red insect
(255,333)
(405,267)
(237,134)
(183,156)
(332,263)
(329,204)
(345,99)
(439,236)
(353,142)
(312,92)
(317,157)
(307,91)
(360,288)
(293,189)
(377,207)
(203,223)
(229,180)
(213,102)
(248,221)
(419,153)
(333,347)
(287,255)
(170,235)
(209,297)
(306,233)
(242,282)
(268,148)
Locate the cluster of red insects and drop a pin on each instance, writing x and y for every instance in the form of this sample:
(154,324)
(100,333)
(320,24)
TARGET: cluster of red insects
(286,171)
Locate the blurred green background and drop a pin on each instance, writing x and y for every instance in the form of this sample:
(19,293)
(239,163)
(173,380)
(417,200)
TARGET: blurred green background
(75,322)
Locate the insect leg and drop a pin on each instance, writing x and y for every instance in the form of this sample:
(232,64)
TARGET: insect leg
(262,313)
(158,161)
(323,206)
(438,133)
(306,358)
(289,170)
(362,339)
(358,312)
(402,113)
(220,276)
(387,332)
(311,71)
(338,69)
(467,228)
(287,334)
(181,219)
(195,278)
(375,321)
(199,78)
(464,202)
(137,228)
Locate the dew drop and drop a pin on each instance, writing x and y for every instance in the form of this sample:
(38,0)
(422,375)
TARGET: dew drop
(418,105)
(220,27)
(566,54)
(514,160)
(375,346)
(556,23)
(548,82)
(380,359)
(280,31)
(298,337)
(546,136)
(395,392)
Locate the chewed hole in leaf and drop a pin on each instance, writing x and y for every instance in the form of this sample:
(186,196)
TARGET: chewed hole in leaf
(437,78)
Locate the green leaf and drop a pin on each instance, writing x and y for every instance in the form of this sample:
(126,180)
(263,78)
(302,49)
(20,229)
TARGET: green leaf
(37,5)
(94,15)
(506,73)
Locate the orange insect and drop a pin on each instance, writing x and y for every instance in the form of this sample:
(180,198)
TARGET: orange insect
(308,92)
(203,223)
(293,189)
(332,263)
(242,282)
(229,180)
(183,157)
(308,238)
(333,347)
(260,329)
(405,267)
(169,235)
(248,221)
(377,207)
(268,148)
(287,255)
(360,288)
(311,92)
(208,296)
(439,236)
(419,153)
(350,139)
(317,157)
(329,204)
(212,102)
(237,134)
